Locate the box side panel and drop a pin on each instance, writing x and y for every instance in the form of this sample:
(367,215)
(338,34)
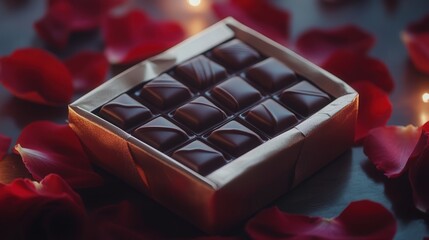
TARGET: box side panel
(178,191)
(259,185)
(333,136)
(110,150)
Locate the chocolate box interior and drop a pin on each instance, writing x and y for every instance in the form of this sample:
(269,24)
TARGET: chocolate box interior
(218,126)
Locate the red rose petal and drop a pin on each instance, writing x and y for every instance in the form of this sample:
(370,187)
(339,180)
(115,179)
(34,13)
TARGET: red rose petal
(54,26)
(47,147)
(32,210)
(64,17)
(352,66)
(88,69)
(389,148)
(272,21)
(374,110)
(360,220)
(416,40)
(423,142)
(36,75)
(318,44)
(4,145)
(133,37)
(419,180)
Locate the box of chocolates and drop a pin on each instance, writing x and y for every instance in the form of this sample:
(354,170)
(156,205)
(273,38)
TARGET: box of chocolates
(218,126)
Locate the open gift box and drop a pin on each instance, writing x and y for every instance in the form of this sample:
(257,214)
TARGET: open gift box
(251,175)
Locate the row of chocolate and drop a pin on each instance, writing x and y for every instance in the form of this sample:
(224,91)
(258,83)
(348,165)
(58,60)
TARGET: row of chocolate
(217,106)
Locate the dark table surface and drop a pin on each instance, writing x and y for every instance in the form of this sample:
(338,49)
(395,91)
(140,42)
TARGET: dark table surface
(350,177)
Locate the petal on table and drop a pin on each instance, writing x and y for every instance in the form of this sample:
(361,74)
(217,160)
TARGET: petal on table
(46,210)
(352,66)
(88,69)
(318,44)
(374,110)
(389,148)
(36,75)
(133,37)
(360,220)
(4,145)
(46,147)
(419,180)
(416,40)
(272,21)
(64,17)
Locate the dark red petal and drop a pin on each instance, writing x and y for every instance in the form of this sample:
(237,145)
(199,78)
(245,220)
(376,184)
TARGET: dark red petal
(374,110)
(4,145)
(88,69)
(32,210)
(419,180)
(416,40)
(360,220)
(352,66)
(318,44)
(54,27)
(133,37)
(272,21)
(423,142)
(64,17)
(47,147)
(36,75)
(389,148)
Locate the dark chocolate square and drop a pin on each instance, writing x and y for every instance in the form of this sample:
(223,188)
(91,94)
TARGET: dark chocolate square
(271,75)
(125,112)
(199,157)
(165,92)
(199,114)
(201,72)
(271,117)
(234,138)
(161,134)
(304,98)
(235,54)
(235,94)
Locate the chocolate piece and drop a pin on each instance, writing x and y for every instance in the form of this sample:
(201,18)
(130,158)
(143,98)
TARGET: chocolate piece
(304,98)
(199,114)
(234,138)
(271,117)
(236,94)
(271,75)
(199,157)
(161,134)
(165,92)
(235,54)
(125,112)
(201,72)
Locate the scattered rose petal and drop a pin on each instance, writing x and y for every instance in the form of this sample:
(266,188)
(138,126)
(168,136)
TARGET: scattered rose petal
(88,69)
(374,108)
(36,75)
(389,148)
(133,36)
(47,147)
(318,44)
(419,180)
(423,142)
(272,21)
(416,40)
(4,145)
(352,66)
(64,17)
(46,210)
(360,220)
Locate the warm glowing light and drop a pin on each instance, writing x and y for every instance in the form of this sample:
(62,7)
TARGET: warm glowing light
(425,97)
(194,3)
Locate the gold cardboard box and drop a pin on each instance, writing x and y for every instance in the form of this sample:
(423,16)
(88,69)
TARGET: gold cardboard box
(232,193)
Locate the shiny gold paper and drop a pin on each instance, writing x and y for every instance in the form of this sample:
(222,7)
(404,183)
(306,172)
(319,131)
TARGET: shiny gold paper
(229,195)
